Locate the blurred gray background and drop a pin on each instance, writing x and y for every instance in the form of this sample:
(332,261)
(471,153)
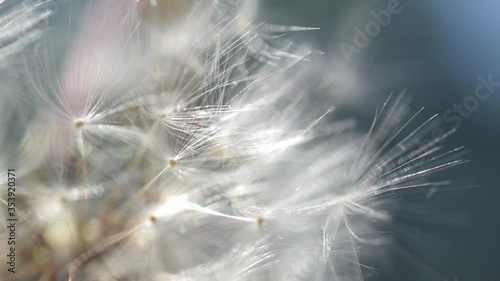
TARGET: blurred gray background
(437,50)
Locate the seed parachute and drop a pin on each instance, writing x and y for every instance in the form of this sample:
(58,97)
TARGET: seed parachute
(182,140)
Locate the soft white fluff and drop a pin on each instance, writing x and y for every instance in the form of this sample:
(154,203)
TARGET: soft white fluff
(173,140)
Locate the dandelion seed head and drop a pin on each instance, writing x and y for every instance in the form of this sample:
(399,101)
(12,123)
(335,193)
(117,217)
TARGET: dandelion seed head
(187,141)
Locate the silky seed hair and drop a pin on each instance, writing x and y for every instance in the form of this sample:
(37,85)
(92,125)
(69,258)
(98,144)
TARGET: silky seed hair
(183,140)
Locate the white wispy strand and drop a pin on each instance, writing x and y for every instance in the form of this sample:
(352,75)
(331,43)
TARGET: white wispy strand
(21,23)
(179,140)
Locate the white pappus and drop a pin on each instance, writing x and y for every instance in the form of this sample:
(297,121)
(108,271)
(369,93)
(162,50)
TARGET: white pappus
(180,140)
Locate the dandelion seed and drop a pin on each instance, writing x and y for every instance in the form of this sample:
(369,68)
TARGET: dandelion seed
(260,220)
(79,123)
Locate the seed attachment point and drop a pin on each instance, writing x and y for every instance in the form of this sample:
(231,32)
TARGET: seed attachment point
(79,123)
(260,220)
(152,218)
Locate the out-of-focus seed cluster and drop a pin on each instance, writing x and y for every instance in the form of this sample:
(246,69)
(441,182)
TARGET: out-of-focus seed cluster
(179,140)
